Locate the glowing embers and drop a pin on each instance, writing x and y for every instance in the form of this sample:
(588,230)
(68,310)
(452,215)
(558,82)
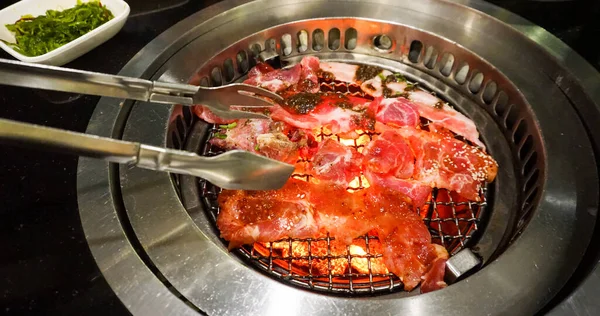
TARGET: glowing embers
(324,263)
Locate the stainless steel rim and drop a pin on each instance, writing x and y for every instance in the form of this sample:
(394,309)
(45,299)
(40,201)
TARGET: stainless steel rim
(566,203)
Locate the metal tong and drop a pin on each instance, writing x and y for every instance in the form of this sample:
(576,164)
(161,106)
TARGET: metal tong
(232,170)
(235,170)
(217,99)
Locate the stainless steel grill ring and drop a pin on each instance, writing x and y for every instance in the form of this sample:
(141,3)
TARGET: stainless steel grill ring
(534,100)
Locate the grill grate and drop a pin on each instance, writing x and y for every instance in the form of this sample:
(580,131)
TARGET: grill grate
(323,264)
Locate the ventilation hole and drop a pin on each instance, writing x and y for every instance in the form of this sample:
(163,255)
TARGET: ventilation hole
(271,45)
(530,162)
(350,38)
(181,130)
(519,132)
(255,49)
(242,62)
(204,82)
(446,63)
(286,44)
(501,103)
(489,92)
(476,82)
(333,39)
(318,40)
(215,77)
(430,59)
(528,203)
(385,43)
(415,51)
(302,41)
(526,147)
(531,180)
(175,140)
(512,117)
(461,75)
(228,71)
(187,115)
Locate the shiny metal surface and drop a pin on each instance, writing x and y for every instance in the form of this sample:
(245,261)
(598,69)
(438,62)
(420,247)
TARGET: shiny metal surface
(235,170)
(460,264)
(584,301)
(193,259)
(54,139)
(218,99)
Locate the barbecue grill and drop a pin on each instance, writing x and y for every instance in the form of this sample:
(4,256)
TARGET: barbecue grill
(154,235)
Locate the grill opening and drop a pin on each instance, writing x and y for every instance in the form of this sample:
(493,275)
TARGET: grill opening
(324,264)
(454,74)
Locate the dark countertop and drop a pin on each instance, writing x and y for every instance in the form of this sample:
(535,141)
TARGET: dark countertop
(45,263)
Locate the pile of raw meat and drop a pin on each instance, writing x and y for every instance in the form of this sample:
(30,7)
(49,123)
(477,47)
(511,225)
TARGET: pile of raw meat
(400,163)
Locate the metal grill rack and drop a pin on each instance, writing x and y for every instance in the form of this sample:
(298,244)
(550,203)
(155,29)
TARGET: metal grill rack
(319,263)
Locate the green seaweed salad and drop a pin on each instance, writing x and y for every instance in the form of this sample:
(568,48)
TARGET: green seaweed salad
(36,36)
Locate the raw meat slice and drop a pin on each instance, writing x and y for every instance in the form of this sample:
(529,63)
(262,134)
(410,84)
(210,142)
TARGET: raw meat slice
(428,105)
(338,112)
(446,162)
(416,191)
(261,216)
(243,135)
(339,212)
(389,154)
(340,71)
(261,137)
(265,76)
(408,252)
(396,112)
(335,163)
(208,116)
(433,109)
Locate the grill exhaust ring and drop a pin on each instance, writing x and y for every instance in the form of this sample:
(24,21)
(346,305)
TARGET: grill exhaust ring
(421,60)
(181,242)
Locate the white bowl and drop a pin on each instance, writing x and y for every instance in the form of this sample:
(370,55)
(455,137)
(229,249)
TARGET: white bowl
(71,50)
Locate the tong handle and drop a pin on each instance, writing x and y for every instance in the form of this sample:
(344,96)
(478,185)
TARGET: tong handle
(16,73)
(108,149)
(35,136)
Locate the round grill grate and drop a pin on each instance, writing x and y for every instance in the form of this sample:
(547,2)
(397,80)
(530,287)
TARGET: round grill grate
(461,78)
(324,264)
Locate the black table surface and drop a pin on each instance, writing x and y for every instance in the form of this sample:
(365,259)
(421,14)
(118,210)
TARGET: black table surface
(45,264)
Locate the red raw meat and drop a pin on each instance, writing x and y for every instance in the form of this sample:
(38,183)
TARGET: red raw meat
(416,191)
(340,71)
(428,105)
(338,112)
(208,116)
(265,76)
(402,165)
(298,78)
(340,212)
(444,162)
(247,217)
(389,153)
(448,163)
(243,135)
(433,109)
(309,80)
(260,137)
(408,252)
(397,112)
(433,279)
(308,210)
(335,163)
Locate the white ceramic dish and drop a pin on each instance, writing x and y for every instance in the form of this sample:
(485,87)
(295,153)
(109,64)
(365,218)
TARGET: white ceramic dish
(71,50)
